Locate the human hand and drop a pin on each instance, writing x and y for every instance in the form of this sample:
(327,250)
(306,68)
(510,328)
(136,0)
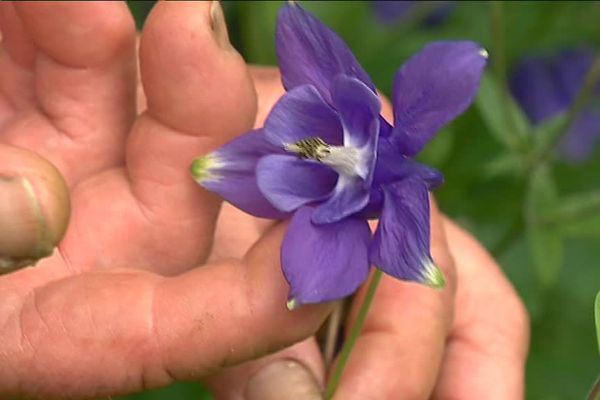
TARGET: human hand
(391,343)
(100,317)
(467,341)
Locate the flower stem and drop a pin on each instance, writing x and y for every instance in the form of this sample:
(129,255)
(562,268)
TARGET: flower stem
(499,64)
(354,332)
(595,392)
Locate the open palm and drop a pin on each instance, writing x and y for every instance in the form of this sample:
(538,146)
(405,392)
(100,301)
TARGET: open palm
(68,76)
(120,305)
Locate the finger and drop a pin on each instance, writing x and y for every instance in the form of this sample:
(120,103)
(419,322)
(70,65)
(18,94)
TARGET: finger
(294,373)
(34,208)
(399,351)
(82,78)
(486,351)
(199,96)
(121,331)
(16,62)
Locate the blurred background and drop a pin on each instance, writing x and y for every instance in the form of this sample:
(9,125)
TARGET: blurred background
(522,165)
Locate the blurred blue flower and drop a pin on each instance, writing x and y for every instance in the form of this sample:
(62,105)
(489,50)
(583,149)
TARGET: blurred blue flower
(392,11)
(547,86)
(327,157)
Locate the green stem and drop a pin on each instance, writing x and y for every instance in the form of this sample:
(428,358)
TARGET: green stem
(499,64)
(354,333)
(547,145)
(595,392)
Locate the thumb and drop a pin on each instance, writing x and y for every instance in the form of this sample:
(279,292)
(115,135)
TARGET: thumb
(293,373)
(34,208)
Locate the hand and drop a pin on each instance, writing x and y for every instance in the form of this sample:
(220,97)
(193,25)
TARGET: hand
(58,309)
(119,306)
(468,341)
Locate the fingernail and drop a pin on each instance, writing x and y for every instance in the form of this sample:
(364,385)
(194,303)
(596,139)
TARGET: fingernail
(219,27)
(283,379)
(24,235)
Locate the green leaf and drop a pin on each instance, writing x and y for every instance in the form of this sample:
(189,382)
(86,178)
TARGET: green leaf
(576,215)
(545,241)
(504,164)
(503,117)
(582,228)
(544,133)
(597,314)
(576,206)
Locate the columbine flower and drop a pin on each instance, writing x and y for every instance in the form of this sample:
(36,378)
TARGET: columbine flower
(392,11)
(547,86)
(328,158)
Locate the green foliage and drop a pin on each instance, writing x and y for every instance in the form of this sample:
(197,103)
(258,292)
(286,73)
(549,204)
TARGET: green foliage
(503,117)
(545,241)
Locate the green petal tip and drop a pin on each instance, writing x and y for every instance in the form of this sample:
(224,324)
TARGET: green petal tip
(292,304)
(201,168)
(433,276)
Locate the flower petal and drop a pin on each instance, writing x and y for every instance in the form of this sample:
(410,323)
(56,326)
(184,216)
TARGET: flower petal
(580,142)
(570,68)
(400,246)
(392,166)
(230,172)
(432,88)
(324,262)
(536,89)
(310,52)
(289,182)
(358,107)
(349,196)
(300,114)
(390,12)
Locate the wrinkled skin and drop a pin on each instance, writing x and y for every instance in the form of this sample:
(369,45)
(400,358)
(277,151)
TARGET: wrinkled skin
(146,287)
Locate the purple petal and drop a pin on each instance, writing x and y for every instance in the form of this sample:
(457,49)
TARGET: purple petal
(535,87)
(400,246)
(289,182)
(385,129)
(392,166)
(300,114)
(311,53)
(358,107)
(349,197)
(580,143)
(324,262)
(432,88)
(570,68)
(388,11)
(230,172)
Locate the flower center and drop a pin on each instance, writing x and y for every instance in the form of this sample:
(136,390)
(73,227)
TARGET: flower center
(312,148)
(344,160)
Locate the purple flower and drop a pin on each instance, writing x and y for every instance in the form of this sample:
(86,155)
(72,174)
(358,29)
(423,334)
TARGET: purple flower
(392,11)
(328,159)
(547,86)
